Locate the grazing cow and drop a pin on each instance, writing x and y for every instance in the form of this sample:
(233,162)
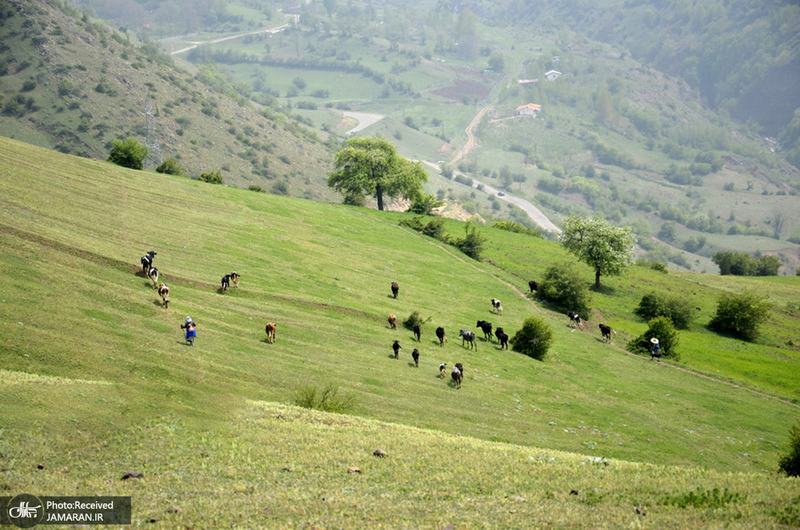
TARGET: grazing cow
(534,286)
(417,331)
(392,321)
(415,356)
(497,306)
(502,337)
(147,262)
(153,275)
(606,331)
(163,292)
(229,279)
(469,336)
(486,327)
(442,370)
(576,318)
(440,335)
(271,326)
(457,376)
(396,347)
(395,289)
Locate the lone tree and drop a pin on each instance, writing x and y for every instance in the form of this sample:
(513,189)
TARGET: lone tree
(602,245)
(128,153)
(371,166)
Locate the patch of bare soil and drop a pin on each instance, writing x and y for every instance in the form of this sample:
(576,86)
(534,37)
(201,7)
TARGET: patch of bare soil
(462,88)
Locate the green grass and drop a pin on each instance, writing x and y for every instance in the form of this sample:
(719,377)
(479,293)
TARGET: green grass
(202,422)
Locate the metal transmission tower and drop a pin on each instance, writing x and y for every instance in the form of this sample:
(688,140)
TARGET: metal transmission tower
(151,141)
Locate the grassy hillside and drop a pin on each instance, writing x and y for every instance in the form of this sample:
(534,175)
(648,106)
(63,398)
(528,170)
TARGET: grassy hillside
(97,380)
(71,83)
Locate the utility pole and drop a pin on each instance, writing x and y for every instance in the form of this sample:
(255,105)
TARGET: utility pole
(151,140)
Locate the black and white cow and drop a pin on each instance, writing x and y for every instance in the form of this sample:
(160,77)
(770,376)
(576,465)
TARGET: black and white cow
(147,262)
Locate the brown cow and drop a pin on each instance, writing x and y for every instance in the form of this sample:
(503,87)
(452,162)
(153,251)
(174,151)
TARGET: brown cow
(271,332)
(163,292)
(392,321)
(395,289)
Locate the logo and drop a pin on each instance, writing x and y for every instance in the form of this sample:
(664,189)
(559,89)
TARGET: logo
(25,511)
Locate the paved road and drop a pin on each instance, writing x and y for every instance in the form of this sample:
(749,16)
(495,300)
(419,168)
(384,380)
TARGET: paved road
(533,212)
(364,120)
(231,37)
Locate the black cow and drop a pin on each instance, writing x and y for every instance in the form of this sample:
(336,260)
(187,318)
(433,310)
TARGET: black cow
(440,335)
(502,337)
(415,356)
(417,331)
(396,347)
(576,318)
(486,327)
(147,262)
(395,289)
(469,336)
(606,331)
(534,286)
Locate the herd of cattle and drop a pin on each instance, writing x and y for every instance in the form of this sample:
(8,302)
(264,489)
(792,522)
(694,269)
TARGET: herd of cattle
(468,337)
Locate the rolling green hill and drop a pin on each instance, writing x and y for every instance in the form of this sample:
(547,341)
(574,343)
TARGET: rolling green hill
(74,84)
(96,378)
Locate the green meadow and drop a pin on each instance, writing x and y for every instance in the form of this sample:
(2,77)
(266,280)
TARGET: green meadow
(96,379)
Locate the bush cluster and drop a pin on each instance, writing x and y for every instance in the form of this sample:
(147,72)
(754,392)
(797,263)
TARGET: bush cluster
(790,462)
(741,314)
(563,287)
(534,339)
(742,264)
(170,166)
(678,310)
(212,177)
(128,153)
(414,320)
(662,329)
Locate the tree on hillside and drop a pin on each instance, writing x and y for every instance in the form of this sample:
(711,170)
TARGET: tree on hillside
(128,153)
(371,166)
(601,245)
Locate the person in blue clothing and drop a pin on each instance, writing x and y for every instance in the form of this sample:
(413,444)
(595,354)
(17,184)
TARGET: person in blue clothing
(191,333)
(655,351)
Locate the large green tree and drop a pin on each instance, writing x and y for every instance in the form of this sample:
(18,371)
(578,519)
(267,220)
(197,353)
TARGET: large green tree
(605,247)
(371,166)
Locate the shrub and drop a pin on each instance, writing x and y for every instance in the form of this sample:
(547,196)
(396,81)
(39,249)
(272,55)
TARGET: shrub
(790,462)
(563,287)
(435,229)
(662,329)
(534,339)
(740,314)
(676,309)
(170,166)
(128,153)
(328,399)
(517,228)
(354,199)
(212,177)
(424,204)
(415,223)
(472,243)
(414,320)
(256,188)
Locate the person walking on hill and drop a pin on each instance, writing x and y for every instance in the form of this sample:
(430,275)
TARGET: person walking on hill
(655,351)
(191,333)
